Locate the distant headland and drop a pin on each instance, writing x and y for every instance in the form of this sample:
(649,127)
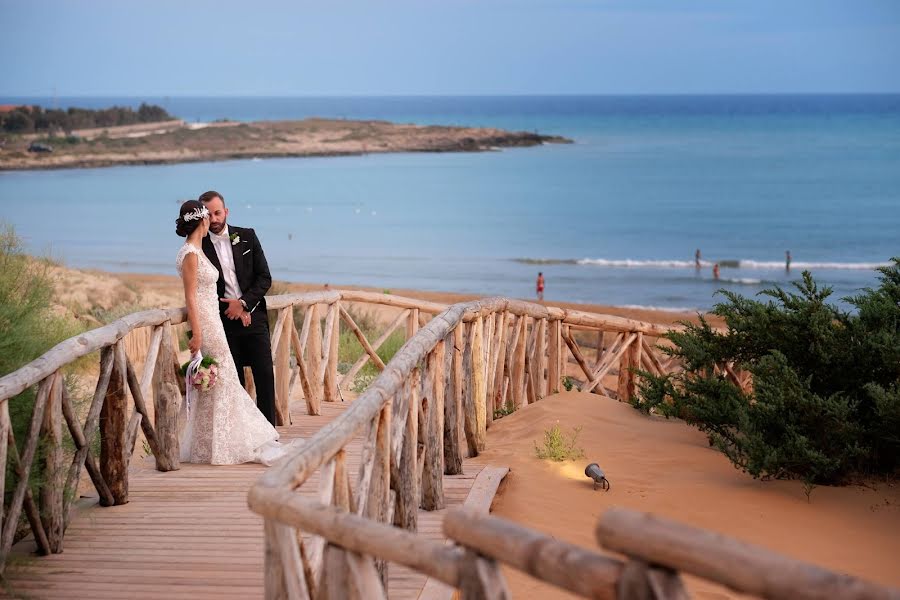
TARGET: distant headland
(151,136)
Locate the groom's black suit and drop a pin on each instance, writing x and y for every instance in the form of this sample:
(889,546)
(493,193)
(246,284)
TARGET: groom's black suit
(250,345)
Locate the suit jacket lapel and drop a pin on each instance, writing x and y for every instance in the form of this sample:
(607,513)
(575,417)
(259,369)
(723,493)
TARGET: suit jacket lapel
(237,253)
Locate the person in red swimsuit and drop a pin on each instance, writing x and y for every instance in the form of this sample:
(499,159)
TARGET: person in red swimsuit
(540,286)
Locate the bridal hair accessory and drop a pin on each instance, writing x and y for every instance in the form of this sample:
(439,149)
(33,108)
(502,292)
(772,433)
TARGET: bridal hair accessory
(200,375)
(196,214)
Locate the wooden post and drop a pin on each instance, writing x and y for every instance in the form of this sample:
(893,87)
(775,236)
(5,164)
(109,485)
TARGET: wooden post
(275,584)
(554,370)
(335,578)
(281,340)
(313,406)
(22,467)
(113,425)
(479,389)
(453,404)
(140,408)
(332,330)
(470,425)
(376,503)
(504,397)
(517,375)
(497,362)
(412,324)
(481,579)
(51,493)
(5,425)
(433,476)
(314,350)
(631,359)
(166,401)
(540,363)
(404,473)
(83,456)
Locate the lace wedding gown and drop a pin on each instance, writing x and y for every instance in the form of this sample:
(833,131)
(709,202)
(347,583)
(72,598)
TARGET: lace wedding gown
(224,426)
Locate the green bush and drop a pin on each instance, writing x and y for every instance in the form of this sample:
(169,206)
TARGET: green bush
(824,405)
(559,446)
(28,328)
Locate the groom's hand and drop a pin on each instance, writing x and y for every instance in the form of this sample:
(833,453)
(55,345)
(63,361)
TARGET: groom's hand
(234,309)
(246,318)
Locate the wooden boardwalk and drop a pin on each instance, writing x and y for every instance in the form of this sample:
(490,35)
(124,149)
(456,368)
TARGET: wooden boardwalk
(189,534)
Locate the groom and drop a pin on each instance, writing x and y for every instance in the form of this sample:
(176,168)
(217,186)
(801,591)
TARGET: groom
(243,282)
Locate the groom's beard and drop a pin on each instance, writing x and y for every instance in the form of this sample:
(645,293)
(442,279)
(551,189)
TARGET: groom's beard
(217,228)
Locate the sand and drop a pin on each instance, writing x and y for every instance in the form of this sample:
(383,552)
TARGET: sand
(666,467)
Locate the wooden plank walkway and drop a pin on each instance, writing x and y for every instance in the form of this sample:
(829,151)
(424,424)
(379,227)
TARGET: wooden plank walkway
(189,534)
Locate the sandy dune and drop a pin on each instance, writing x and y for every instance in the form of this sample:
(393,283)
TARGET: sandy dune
(667,468)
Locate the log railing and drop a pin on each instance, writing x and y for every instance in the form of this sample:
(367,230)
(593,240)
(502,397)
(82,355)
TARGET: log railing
(431,406)
(117,411)
(480,358)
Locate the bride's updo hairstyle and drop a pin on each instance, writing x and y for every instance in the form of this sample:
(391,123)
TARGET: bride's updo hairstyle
(189,217)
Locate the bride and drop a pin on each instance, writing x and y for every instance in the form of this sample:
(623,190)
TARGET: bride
(223,425)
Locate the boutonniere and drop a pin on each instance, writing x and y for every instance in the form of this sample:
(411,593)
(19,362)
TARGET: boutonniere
(235,239)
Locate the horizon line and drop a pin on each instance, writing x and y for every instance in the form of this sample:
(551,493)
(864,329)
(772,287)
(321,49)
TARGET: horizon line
(460,95)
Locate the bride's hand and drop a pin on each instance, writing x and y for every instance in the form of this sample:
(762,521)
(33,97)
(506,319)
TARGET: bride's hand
(195,342)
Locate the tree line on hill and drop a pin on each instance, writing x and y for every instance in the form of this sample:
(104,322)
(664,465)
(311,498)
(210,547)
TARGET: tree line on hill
(35,119)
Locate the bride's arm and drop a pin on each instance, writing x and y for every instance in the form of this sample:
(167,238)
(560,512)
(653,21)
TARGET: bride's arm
(189,279)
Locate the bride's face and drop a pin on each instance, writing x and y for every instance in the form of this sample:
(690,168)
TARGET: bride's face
(204,227)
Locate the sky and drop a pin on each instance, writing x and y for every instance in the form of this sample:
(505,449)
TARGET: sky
(447,47)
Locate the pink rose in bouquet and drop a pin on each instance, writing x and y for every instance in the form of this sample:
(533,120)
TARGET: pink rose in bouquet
(201,374)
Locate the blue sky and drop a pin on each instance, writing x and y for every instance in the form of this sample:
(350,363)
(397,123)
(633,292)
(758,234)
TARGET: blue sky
(265,48)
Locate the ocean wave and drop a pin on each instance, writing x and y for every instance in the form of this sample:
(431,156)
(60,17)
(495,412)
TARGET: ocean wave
(689,264)
(839,266)
(673,309)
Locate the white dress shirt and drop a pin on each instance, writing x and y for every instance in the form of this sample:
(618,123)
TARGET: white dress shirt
(222,244)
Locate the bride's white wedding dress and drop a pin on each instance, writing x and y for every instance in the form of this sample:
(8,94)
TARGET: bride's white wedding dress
(224,426)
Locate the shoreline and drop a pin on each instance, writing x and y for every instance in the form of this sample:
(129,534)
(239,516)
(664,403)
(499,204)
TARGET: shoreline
(180,142)
(168,284)
(81,293)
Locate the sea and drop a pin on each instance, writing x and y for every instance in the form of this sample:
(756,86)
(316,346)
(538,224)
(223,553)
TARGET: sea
(614,218)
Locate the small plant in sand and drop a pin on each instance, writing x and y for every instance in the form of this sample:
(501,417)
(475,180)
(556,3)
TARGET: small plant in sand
(503,411)
(559,446)
(568,383)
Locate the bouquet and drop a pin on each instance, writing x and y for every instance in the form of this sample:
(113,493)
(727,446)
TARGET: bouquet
(201,372)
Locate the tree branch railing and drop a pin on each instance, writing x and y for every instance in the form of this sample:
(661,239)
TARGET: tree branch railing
(461,367)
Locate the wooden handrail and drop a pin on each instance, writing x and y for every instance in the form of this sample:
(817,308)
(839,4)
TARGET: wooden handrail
(546,558)
(359,534)
(454,370)
(738,565)
(83,344)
